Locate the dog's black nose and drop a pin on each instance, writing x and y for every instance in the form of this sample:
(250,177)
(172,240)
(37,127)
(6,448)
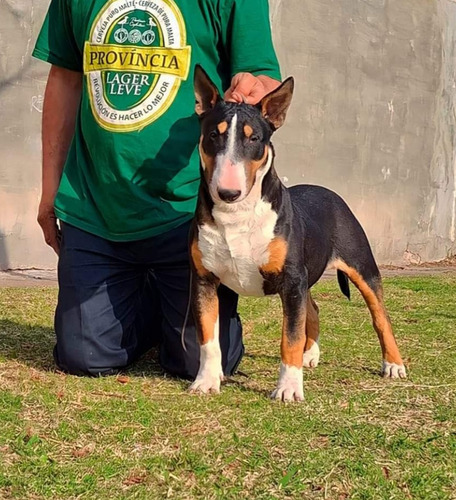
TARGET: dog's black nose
(229,195)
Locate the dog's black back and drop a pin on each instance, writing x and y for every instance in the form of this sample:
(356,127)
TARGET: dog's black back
(329,230)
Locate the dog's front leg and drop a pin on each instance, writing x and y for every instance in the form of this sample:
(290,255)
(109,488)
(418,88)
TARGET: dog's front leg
(294,303)
(205,306)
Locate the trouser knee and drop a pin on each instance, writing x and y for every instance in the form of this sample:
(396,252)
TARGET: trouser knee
(76,364)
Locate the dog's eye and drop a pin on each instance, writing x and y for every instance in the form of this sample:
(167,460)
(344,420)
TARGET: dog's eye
(213,135)
(254,138)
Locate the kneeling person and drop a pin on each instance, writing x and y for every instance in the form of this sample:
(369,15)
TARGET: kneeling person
(121,169)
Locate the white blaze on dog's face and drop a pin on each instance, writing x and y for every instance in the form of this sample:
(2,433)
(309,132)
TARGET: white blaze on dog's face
(229,178)
(234,145)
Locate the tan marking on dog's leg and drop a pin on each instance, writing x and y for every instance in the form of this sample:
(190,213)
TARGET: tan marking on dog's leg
(206,315)
(209,317)
(292,346)
(313,323)
(393,364)
(291,353)
(222,127)
(312,349)
(197,259)
(248,131)
(278,249)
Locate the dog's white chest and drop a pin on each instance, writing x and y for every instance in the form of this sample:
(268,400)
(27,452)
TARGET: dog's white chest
(238,245)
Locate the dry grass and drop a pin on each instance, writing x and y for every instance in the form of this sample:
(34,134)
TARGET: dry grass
(142,436)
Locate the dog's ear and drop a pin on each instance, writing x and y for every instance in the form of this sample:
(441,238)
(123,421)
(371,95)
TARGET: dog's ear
(274,106)
(206,93)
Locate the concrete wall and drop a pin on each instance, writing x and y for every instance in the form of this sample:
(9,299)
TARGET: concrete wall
(22,83)
(374,115)
(373,118)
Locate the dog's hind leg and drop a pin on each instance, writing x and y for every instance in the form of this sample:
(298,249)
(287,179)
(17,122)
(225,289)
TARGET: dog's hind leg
(367,279)
(312,349)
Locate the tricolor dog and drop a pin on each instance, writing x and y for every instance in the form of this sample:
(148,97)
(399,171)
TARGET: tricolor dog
(258,237)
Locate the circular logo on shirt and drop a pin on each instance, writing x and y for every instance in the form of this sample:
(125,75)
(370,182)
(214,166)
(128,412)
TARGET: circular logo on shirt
(135,61)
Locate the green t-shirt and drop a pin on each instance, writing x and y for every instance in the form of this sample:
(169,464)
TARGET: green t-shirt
(133,169)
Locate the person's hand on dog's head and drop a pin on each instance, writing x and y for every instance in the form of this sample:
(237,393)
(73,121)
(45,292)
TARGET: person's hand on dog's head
(250,89)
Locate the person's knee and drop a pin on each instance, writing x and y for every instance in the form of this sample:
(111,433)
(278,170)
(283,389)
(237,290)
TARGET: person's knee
(91,349)
(74,362)
(68,362)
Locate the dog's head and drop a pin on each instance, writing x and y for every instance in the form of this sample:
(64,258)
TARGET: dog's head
(235,138)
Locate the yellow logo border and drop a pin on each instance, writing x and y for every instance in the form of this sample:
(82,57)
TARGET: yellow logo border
(137,126)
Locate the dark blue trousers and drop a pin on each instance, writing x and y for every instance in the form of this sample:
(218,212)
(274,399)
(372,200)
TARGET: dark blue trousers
(117,300)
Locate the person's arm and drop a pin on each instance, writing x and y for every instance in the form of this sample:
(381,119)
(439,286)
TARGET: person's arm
(248,43)
(61,102)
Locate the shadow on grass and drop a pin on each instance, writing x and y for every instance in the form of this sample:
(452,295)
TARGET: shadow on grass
(147,365)
(32,345)
(241,385)
(261,356)
(372,371)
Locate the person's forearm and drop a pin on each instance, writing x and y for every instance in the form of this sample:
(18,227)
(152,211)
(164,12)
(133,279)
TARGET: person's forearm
(61,101)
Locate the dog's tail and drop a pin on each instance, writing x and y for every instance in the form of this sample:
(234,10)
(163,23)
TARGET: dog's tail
(342,278)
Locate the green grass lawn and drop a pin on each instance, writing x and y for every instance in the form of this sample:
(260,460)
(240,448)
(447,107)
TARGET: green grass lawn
(356,436)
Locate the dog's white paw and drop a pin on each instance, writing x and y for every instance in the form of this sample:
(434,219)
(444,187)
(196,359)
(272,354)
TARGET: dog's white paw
(206,384)
(287,393)
(210,372)
(392,370)
(289,386)
(311,357)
